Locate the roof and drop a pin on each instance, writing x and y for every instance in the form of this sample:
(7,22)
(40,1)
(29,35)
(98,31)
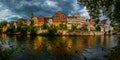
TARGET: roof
(59,12)
(103,21)
(69,14)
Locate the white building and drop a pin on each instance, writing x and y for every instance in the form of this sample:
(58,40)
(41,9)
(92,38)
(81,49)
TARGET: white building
(76,20)
(105,25)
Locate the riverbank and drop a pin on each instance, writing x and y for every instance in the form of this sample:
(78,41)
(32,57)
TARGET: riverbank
(76,32)
(64,33)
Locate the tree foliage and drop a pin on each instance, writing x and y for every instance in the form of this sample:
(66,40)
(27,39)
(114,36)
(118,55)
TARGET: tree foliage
(2,24)
(74,27)
(45,26)
(109,8)
(62,27)
(115,53)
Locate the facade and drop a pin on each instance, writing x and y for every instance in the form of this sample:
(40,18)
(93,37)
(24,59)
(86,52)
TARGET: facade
(41,20)
(91,24)
(105,25)
(34,21)
(21,20)
(38,21)
(59,18)
(76,20)
(49,21)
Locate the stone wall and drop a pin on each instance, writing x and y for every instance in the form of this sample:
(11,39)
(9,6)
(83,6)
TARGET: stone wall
(68,32)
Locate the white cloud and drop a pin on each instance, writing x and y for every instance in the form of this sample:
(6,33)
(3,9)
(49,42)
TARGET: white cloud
(6,14)
(84,12)
(39,7)
(51,3)
(77,9)
(76,6)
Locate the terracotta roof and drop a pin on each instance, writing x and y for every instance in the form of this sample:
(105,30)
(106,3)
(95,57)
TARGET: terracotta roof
(59,12)
(21,19)
(103,21)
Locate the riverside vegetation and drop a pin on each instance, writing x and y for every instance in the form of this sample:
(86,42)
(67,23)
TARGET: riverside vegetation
(21,28)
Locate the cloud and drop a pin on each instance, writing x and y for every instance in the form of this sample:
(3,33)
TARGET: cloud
(6,14)
(24,8)
(84,12)
(50,3)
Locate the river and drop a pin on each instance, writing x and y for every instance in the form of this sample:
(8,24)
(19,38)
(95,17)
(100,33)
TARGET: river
(59,47)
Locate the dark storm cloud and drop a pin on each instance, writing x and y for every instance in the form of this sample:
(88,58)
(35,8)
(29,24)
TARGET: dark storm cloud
(24,8)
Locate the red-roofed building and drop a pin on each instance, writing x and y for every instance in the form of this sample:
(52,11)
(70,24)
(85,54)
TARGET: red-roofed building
(59,18)
(104,25)
(21,20)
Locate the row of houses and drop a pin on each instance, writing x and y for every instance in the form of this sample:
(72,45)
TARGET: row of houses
(60,18)
(70,20)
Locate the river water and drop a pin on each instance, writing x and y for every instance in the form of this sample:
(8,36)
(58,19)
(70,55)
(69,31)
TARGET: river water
(59,47)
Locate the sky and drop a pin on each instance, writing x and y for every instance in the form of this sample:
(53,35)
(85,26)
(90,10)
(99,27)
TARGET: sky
(11,10)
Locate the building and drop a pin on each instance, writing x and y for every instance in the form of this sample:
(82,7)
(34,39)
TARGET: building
(91,24)
(21,20)
(59,18)
(49,21)
(105,25)
(38,21)
(75,20)
(34,21)
(41,20)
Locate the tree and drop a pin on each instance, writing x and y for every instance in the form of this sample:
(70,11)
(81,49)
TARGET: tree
(11,29)
(62,27)
(32,29)
(74,27)
(97,27)
(116,27)
(45,26)
(109,8)
(2,24)
(52,31)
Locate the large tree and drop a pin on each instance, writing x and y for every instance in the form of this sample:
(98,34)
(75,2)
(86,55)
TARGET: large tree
(109,8)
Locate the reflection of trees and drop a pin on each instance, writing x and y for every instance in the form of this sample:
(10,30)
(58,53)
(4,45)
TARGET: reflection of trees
(4,36)
(79,45)
(62,47)
(67,47)
(38,43)
(106,40)
(90,41)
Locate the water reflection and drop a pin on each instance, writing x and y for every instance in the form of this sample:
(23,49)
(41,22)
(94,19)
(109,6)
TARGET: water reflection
(57,48)
(4,36)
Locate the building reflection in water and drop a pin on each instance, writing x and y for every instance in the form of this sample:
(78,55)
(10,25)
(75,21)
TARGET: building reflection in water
(38,43)
(108,41)
(4,36)
(63,48)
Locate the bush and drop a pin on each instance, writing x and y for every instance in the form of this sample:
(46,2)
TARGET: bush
(6,54)
(98,28)
(115,53)
(74,27)
(116,27)
(52,31)
(62,27)
(45,26)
